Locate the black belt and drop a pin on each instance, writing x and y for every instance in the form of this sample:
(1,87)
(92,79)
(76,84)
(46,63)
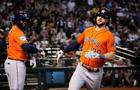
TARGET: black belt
(16,60)
(90,69)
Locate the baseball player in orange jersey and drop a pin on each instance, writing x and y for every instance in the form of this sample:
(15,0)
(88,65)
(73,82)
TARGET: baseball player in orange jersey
(98,46)
(17,53)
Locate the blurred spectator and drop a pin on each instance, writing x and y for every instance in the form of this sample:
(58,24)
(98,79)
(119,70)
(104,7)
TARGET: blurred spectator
(111,64)
(117,39)
(90,3)
(132,36)
(70,26)
(37,43)
(128,63)
(128,77)
(110,3)
(44,42)
(35,27)
(123,40)
(107,78)
(1,34)
(120,63)
(71,5)
(61,35)
(132,45)
(60,23)
(44,32)
(76,33)
(88,23)
(95,9)
(40,57)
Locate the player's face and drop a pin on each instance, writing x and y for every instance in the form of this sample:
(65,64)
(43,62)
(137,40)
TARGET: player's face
(101,21)
(23,23)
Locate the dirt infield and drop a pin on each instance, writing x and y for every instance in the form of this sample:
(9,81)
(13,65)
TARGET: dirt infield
(34,88)
(120,89)
(101,89)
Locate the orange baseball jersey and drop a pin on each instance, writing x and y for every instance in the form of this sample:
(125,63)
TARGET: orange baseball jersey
(16,39)
(101,42)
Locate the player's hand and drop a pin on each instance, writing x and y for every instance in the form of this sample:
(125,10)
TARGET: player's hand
(91,55)
(33,62)
(59,54)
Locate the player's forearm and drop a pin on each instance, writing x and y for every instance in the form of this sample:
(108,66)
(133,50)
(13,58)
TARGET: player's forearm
(71,47)
(110,56)
(29,48)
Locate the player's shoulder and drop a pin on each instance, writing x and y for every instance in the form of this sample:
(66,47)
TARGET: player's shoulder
(109,33)
(16,31)
(14,28)
(89,29)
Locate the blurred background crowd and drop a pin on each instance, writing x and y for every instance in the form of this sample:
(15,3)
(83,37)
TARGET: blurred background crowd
(56,23)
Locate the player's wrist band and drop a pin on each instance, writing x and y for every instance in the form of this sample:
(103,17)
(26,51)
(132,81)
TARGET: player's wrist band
(101,56)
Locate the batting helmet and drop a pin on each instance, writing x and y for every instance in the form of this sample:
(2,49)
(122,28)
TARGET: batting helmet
(20,16)
(104,13)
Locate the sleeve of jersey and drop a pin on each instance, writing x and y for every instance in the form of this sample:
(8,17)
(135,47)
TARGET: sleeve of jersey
(21,39)
(81,38)
(111,44)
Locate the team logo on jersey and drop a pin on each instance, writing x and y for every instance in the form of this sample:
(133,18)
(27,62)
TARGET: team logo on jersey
(22,38)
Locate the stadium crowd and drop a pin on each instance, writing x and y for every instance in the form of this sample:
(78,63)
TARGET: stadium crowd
(56,23)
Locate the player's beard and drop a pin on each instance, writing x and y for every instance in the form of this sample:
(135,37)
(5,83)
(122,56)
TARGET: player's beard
(100,25)
(21,26)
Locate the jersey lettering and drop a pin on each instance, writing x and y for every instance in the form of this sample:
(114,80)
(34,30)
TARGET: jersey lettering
(93,41)
(89,39)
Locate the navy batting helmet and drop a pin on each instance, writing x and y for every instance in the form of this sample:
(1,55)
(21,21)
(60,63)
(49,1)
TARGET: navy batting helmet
(104,13)
(20,16)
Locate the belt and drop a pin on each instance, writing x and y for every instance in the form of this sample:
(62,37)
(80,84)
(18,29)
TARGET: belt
(90,69)
(16,60)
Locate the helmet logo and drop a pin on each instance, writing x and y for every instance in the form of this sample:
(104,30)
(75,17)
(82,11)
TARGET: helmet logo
(103,11)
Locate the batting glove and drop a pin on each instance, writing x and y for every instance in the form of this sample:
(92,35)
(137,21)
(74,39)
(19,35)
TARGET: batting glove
(33,62)
(93,55)
(59,54)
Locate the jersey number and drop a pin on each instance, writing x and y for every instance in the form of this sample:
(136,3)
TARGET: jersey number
(97,50)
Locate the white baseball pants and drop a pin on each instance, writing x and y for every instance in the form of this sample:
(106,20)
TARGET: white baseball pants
(16,71)
(82,76)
